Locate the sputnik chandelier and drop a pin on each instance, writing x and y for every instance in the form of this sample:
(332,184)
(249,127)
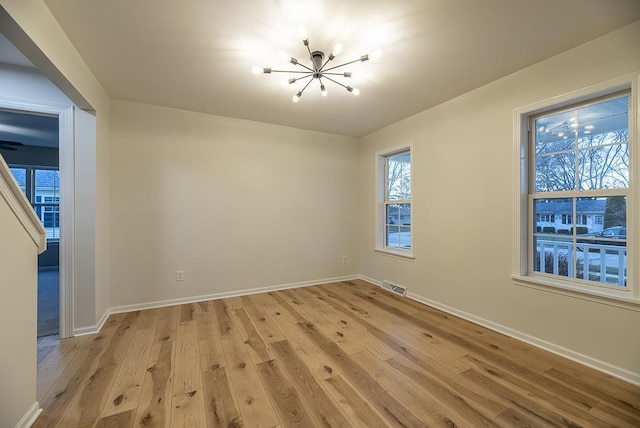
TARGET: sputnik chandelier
(318,70)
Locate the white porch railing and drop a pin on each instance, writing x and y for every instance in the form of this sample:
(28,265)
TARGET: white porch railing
(595,262)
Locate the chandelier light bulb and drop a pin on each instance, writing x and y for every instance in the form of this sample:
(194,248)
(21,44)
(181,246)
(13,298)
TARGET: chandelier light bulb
(356,91)
(256,71)
(376,55)
(296,97)
(323,90)
(337,49)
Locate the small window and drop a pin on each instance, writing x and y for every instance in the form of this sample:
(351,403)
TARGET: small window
(395,228)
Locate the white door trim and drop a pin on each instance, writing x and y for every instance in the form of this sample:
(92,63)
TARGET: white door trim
(67,207)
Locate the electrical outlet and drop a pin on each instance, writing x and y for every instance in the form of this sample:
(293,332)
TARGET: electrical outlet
(344,260)
(179,275)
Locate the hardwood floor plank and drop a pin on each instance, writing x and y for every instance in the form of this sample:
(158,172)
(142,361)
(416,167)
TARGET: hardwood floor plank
(253,402)
(284,396)
(118,420)
(219,402)
(357,408)
(401,343)
(188,396)
(156,396)
(315,397)
(127,386)
(395,412)
(573,410)
(429,410)
(264,324)
(317,361)
(598,395)
(341,354)
(259,351)
(57,401)
(459,407)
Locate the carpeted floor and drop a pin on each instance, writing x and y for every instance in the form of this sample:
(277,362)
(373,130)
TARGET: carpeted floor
(48,302)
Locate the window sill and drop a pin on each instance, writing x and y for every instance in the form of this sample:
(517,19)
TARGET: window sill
(567,289)
(406,255)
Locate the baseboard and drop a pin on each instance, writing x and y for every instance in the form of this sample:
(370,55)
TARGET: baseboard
(620,373)
(81,331)
(30,417)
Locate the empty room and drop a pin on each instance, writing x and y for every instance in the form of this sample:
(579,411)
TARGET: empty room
(274,213)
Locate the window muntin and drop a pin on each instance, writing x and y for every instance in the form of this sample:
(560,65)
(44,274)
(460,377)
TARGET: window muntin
(580,175)
(41,186)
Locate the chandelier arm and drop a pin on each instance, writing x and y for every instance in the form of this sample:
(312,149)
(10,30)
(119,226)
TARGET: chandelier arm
(306,86)
(336,82)
(342,65)
(292,71)
(326,62)
(332,74)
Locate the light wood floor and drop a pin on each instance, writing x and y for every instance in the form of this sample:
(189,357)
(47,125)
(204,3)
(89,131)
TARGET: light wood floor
(344,354)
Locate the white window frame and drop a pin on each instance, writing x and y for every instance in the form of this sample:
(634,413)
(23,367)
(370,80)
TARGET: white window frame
(381,185)
(628,298)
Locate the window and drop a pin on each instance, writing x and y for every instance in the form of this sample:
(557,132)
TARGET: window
(575,162)
(41,186)
(395,233)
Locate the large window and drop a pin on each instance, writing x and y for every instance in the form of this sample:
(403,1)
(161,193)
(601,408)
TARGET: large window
(395,227)
(576,169)
(41,186)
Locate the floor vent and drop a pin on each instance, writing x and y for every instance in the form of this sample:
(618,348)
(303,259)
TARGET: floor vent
(394,288)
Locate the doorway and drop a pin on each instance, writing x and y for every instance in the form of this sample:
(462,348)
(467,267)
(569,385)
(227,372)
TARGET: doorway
(52,180)
(29,144)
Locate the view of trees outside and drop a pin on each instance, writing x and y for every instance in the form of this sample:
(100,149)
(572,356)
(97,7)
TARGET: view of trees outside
(584,151)
(398,201)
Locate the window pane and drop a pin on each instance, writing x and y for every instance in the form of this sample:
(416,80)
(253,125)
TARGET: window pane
(553,133)
(555,173)
(393,236)
(20,174)
(553,212)
(605,167)
(399,176)
(47,184)
(399,214)
(553,255)
(606,122)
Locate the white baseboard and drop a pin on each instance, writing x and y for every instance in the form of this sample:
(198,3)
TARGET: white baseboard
(30,417)
(81,331)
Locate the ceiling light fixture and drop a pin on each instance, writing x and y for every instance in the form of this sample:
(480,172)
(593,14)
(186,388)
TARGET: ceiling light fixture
(318,70)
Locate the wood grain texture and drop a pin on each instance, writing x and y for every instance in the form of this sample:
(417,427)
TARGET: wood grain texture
(335,355)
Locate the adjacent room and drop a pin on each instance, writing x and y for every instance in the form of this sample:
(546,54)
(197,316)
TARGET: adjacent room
(319,213)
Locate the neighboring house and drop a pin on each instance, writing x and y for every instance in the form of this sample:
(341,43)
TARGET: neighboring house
(399,214)
(559,215)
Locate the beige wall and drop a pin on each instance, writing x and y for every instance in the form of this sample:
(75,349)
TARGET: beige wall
(464,210)
(18,302)
(32,28)
(234,204)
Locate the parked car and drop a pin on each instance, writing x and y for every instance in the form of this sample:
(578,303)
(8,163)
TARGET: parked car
(618,233)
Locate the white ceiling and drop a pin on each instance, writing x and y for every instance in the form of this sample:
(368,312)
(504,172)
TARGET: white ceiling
(197,54)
